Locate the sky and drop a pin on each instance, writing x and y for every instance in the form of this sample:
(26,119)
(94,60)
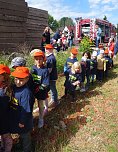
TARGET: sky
(78,8)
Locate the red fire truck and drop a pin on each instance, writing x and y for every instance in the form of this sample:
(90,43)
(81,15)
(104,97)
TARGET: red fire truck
(87,27)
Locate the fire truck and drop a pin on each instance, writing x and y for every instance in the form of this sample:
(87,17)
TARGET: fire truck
(87,27)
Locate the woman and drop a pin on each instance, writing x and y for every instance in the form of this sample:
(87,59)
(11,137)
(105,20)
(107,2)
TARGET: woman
(46,34)
(111,45)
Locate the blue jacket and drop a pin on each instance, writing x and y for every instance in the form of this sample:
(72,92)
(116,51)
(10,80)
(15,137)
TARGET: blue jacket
(98,34)
(41,82)
(93,65)
(109,61)
(68,65)
(57,36)
(72,78)
(4,114)
(51,63)
(21,107)
(116,48)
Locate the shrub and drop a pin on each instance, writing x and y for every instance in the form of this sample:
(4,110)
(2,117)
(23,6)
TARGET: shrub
(85,44)
(60,56)
(4,59)
(61,59)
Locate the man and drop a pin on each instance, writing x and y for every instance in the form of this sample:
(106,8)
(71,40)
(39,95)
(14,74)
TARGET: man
(98,35)
(116,49)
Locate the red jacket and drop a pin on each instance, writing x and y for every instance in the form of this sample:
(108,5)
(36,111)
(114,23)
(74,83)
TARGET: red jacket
(111,47)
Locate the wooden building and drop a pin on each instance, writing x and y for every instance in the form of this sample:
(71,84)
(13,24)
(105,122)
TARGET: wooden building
(20,23)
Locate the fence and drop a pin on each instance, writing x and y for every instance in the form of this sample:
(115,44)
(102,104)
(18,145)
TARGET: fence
(36,22)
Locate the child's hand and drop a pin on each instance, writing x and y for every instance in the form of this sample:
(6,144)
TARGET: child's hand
(76,83)
(21,125)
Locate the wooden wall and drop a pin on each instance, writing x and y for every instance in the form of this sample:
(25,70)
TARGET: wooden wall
(13,16)
(20,23)
(36,22)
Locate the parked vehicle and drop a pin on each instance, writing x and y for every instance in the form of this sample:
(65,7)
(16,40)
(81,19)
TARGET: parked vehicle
(86,27)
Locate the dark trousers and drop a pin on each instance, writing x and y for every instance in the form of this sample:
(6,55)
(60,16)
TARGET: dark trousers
(100,74)
(26,141)
(97,42)
(71,92)
(88,78)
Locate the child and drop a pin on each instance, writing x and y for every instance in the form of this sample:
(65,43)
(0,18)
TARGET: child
(74,79)
(21,62)
(64,42)
(69,62)
(109,62)
(85,62)
(33,51)
(21,106)
(93,65)
(101,66)
(18,61)
(51,65)
(41,84)
(6,139)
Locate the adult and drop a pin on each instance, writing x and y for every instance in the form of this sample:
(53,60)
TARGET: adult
(57,35)
(116,49)
(98,32)
(70,38)
(111,46)
(46,34)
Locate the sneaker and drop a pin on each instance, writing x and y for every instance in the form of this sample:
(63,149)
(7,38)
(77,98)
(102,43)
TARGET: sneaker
(36,110)
(100,81)
(41,123)
(53,104)
(83,90)
(45,111)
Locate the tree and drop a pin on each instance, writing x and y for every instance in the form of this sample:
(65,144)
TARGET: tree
(104,18)
(53,23)
(66,21)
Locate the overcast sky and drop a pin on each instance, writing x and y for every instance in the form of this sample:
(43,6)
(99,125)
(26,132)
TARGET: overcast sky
(79,8)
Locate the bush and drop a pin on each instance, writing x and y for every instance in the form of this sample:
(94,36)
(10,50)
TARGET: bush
(4,59)
(85,44)
(61,59)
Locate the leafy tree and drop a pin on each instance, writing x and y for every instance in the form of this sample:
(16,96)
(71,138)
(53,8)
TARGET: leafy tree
(53,23)
(104,18)
(66,21)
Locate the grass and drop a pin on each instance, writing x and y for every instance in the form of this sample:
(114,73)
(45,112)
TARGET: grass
(91,122)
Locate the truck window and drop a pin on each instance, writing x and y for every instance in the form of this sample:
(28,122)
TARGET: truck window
(86,29)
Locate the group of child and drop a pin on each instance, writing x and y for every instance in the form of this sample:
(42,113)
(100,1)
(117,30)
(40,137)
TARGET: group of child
(17,98)
(79,75)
